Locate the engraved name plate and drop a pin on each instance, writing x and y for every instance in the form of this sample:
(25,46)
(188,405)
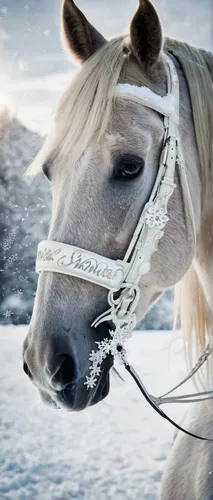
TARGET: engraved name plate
(67,259)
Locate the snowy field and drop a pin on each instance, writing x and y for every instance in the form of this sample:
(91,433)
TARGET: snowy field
(115,450)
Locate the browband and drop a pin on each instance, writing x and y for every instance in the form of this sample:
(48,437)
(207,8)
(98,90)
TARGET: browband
(164,105)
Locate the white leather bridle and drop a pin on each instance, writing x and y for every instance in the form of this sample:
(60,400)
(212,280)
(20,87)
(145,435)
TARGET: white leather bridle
(122,277)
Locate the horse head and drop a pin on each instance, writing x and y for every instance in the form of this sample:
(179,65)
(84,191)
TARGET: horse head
(102,157)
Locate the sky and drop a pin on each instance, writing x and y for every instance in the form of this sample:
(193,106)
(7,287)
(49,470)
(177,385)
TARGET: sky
(35,70)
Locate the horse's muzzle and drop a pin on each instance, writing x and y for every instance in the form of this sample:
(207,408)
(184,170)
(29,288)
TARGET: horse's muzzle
(76,397)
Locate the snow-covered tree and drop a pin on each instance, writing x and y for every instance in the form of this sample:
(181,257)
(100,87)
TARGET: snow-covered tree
(24,218)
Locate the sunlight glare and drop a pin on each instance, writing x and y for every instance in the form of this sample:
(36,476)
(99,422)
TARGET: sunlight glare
(4,100)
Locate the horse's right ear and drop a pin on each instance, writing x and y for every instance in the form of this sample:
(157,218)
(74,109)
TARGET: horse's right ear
(146,34)
(81,39)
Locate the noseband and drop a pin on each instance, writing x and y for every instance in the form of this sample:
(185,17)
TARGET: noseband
(122,277)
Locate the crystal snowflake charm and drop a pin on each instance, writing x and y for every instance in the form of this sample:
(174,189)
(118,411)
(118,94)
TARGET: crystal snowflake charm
(113,345)
(156,217)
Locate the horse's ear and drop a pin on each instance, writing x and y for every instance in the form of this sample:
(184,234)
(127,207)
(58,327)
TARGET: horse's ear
(80,37)
(146,34)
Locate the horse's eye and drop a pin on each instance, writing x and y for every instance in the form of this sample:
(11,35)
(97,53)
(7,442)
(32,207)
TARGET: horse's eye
(128,167)
(46,170)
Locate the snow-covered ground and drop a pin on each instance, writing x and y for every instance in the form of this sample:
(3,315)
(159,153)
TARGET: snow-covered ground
(113,451)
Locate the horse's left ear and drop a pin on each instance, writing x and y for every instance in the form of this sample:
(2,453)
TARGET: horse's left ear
(146,34)
(81,38)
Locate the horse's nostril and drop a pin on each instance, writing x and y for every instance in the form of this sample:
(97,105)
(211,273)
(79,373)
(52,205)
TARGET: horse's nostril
(68,370)
(27,370)
(65,375)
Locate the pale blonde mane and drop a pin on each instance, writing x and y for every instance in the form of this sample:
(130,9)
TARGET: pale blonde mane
(190,298)
(197,65)
(86,107)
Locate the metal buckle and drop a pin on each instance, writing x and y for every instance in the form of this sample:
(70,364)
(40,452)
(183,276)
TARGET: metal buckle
(122,306)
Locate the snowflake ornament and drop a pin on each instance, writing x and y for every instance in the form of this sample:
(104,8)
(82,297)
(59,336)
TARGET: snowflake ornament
(156,216)
(90,382)
(95,357)
(113,346)
(95,370)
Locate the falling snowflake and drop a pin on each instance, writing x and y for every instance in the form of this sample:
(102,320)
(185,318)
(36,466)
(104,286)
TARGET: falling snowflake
(22,65)
(7,314)
(24,279)
(26,6)
(18,293)
(28,318)
(4,10)
(46,32)
(12,259)
(8,242)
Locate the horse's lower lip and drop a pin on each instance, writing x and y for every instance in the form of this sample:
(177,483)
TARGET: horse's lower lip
(65,400)
(69,400)
(48,400)
(99,396)
(75,397)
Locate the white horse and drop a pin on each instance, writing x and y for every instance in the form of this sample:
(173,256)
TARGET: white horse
(102,157)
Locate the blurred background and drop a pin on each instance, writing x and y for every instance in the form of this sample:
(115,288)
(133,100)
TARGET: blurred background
(34,73)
